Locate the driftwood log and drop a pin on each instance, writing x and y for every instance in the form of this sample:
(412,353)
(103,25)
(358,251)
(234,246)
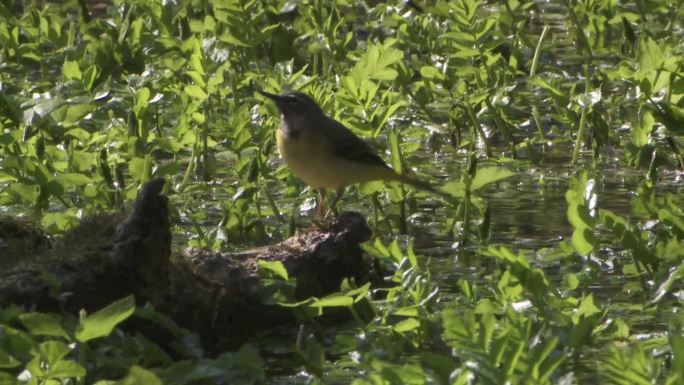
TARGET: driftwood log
(107,257)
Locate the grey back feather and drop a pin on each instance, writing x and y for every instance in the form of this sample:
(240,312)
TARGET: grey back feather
(349,146)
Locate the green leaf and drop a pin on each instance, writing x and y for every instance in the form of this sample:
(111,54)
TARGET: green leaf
(142,100)
(671,116)
(486,306)
(395,251)
(27,193)
(642,132)
(333,300)
(386,74)
(197,77)
(277,291)
(406,325)
(395,151)
(584,241)
(73,179)
(430,72)
(650,55)
(665,285)
(629,236)
(138,376)
(374,64)
(578,216)
(17,343)
(570,281)
(71,70)
(139,168)
(59,221)
(313,355)
(443,365)
(7,361)
(196,65)
(53,351)
(369,188)
(42,109)
(585,308)
(672,220)
(557,94)
(89,77)
(78,133)
(231,39)
(43,324)
(487,175)
(102,322)
(454,188)
(413,259)
(195,92)
(275,267)
(464,52)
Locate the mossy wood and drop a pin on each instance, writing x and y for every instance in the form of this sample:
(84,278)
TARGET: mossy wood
(110,256)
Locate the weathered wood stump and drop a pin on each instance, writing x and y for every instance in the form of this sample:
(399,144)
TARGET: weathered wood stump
(110,256)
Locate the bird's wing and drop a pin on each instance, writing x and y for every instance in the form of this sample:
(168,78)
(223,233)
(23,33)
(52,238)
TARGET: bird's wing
(349,146)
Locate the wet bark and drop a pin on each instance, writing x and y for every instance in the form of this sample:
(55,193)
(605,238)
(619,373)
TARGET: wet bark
(216,294)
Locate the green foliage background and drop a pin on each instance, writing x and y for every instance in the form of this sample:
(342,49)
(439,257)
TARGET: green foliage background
(468,92)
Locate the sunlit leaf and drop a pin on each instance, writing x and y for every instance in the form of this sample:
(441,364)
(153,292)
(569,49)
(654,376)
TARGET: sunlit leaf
(406,325)
(650,55)
(276,267)
(102,322)
(335,300)
(584,241)
(53,351)
(73,179)
(196,92)
(454,188)
(71,70)
(430,72)
(642,132)
(487,175)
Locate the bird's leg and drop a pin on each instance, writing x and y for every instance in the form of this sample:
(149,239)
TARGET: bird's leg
(333,205)
(320,204)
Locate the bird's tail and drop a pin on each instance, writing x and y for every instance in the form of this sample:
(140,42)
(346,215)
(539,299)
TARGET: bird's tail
(423,185)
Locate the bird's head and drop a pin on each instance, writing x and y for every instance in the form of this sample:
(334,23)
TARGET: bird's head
(294,105)
(298,112)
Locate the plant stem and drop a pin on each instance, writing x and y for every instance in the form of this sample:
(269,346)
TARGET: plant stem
(580,135)
(478,129)
(191,165)
(579,30)
(537,51)
(272,204)
(537,122)
(673,146)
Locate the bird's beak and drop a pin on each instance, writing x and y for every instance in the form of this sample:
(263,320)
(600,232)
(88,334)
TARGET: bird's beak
(269,95)
(275,97)
(278,99)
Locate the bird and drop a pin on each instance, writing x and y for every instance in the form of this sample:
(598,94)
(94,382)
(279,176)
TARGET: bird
(325,154)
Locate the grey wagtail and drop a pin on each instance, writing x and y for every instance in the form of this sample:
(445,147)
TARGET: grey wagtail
(324,153)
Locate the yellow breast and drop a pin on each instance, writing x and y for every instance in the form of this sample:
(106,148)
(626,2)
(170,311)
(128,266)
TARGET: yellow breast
(311,158)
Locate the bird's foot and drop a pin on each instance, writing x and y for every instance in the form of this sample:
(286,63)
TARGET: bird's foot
(324,222)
